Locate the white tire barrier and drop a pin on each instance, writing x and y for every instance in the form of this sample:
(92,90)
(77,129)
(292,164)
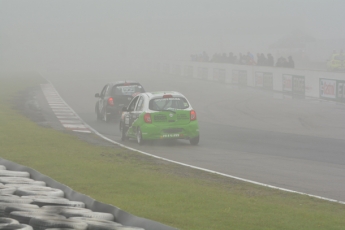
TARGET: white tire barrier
(35,197)
(23,185)
(36,206)
(6,221)
(59,209)
(94,215)
(7,173)
(8,210)
(13,199)
(17,226)
(25,217)
(3,206)
(7,189)
(38,190)
(61,202)
(39,224)
(21,180)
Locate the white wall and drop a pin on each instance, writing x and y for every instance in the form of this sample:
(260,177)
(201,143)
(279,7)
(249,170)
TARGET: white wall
(309,80)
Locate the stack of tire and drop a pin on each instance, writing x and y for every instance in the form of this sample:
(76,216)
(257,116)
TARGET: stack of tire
(28,204)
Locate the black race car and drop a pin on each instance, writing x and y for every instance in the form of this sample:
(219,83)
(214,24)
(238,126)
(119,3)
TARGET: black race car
(114,96)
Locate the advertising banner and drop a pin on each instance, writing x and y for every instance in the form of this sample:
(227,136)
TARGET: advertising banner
(298,85)
(264,80)
(239,77)
(328,89)
(294,84)
(259,79)
(340,90)
(287,83)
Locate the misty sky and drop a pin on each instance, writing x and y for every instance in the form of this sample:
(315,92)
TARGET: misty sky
(38,34)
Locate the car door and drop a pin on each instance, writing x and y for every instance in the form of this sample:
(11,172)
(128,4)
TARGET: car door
(107,95)
(129,116)
(101,101)
(136,113)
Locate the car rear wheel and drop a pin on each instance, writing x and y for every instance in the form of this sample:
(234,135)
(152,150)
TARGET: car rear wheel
(194,141)
(140,137)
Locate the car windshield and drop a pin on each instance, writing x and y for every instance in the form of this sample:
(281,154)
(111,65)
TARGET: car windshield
(127,90)
(172,103)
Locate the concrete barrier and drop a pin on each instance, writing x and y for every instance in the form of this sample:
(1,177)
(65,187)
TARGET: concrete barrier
(297,82)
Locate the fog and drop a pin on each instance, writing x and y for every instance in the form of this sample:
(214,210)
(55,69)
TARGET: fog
(95,35)
(251,132)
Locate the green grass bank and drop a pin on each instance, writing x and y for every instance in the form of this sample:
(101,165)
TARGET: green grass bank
(168,193)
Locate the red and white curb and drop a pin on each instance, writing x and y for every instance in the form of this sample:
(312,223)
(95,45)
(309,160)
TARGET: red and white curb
(63,112)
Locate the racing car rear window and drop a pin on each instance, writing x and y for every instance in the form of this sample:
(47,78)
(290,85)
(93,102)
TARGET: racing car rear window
(159,104)
(127,90)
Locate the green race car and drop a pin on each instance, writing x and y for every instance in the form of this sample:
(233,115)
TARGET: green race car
(159,115)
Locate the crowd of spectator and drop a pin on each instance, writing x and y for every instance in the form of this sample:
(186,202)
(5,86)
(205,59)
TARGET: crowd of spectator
(244,59)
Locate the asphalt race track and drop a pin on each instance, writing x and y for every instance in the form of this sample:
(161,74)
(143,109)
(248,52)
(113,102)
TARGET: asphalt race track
(267,137)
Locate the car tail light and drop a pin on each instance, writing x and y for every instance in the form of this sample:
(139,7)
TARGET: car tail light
(147,118)
(192,115)
(167,96)
(110,101)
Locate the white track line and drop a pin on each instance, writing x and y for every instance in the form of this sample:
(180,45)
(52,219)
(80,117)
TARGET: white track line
(195,167)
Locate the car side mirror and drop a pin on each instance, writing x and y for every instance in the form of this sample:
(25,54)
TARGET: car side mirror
(97,95)
(124,109)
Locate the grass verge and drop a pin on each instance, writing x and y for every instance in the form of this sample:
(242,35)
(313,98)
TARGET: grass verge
(171,194)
